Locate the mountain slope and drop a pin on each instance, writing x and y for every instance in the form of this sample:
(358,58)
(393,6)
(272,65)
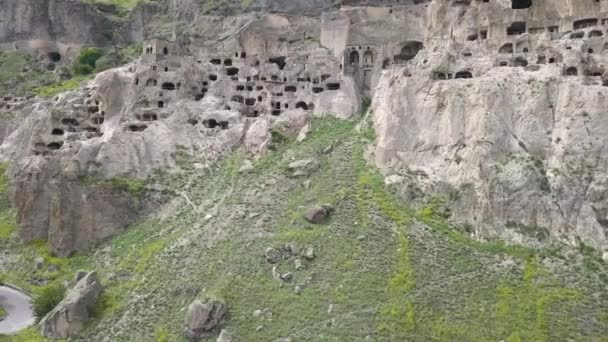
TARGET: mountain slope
(382,271)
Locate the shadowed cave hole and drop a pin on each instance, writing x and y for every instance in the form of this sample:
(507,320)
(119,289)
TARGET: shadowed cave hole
(521,4)
(54,56)
(54,145)
(212,123)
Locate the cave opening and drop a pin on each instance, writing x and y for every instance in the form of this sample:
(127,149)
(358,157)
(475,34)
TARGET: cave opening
(521,4)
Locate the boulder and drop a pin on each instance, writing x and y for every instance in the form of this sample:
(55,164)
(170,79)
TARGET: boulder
(225,336)
(273,255)
(204,318)
(303,168)
(69,317)
(318,214)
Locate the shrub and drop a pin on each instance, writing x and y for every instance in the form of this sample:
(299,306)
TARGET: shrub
(47,298)
(85,62)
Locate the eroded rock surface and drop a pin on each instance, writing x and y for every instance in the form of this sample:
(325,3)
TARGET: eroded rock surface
(74,311)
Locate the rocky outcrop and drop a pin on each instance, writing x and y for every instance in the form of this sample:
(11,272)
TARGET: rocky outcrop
(507,125)
(69,317)
(318,214)
(47,27)
(204,318)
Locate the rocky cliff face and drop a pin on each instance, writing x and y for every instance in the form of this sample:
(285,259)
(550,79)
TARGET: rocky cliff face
(57,27)
(522,142)
(495,107)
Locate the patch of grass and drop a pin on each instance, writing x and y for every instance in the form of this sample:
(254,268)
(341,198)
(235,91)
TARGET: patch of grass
(28,335)
(60,87)
(382,269)
(122,185)
(46,299)
(2,312)
(121,4)
(19,74)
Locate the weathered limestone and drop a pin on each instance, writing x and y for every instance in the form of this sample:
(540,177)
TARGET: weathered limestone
(74,311)
(204,318)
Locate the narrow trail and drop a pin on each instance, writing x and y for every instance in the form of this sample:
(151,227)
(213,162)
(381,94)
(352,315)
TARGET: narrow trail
(19,309)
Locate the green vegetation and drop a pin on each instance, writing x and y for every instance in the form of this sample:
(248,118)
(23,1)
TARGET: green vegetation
(85,62)
(19,74)
(125,5)
(2,312)
(60,87)
(7,215)
(47,298)
(382,269)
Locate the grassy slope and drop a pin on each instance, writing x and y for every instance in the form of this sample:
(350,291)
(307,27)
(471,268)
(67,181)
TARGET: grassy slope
(385,270)
(19,76)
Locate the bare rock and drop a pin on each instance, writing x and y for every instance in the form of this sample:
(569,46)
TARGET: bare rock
(317,215)
(74,311)
(225,336)
(204,318)
(303,168)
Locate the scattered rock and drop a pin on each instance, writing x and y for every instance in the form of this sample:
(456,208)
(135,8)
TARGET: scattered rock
(203,318)
(393,179)
(273,255)
(298,289)
(69,317)
(225,336)
(310,253)
(361,237)
(39,263)
(303,133)
(306,184)
(319,214)
(246,167)
(303,168)
(257,313)
(259,328)
(286,276)
(298,264)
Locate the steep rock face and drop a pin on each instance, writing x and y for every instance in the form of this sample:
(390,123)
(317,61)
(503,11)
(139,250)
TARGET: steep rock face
(523,142)
(45,26)
(69,317)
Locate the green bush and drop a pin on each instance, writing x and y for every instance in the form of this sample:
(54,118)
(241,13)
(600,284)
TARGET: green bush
(47,298)
(2,312)
(86,61)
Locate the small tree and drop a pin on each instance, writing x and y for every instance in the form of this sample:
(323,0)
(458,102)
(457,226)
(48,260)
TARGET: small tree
(86,61)
(47,298)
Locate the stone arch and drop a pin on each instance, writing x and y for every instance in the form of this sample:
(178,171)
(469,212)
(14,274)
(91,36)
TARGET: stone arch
(463,74)
(354,58)
(596,33)
(368,57)
(386,63)
(438,75)
(507,48)
(521,4)
(571,71)
(520,62)
(151,82)
(165,51)
(302,104)
(168,86)
(409,51)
